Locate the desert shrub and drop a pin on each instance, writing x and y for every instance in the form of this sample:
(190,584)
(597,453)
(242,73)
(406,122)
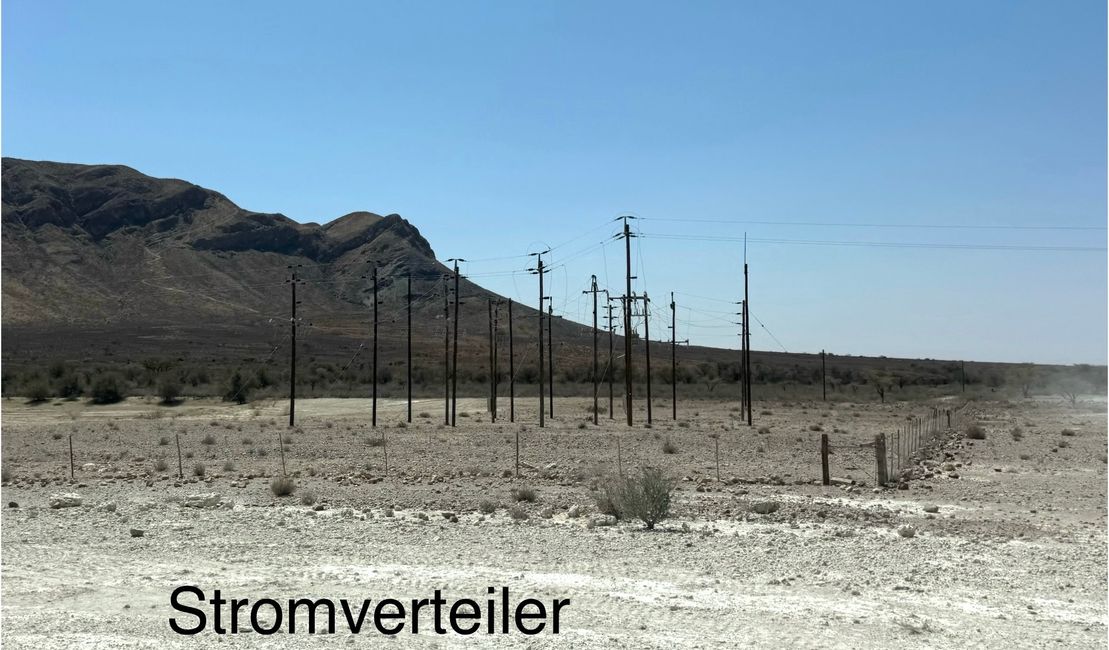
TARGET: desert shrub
(307,498)
(487,507)
(683,424)
(163,441)
(161,465)
(375,442)
(169,389)
(36,391)
(56,436)
(282,486)
(229,466)
(5,473)
(668,447)
(517,513)
(208,439)
(199,469)
(67,385)
(189,454)
(238,388)
(581,425)
(1063,444)
(975,432)
(645,497)
(400,425)
(1017,433)
(1068,432)
(425,414)
(524,493)
(815,427)
(107,388)
(764,429)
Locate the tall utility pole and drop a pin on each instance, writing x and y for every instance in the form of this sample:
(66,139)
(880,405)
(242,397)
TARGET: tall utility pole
(742,313)
(293,347)
(408,381)
(539,270)
(496,359)
(747,332)
(593,290)
(511,369)
(674,355)
(492,392)
(647,344)
(823,376)
(611,372)
(627,235)
(454,354)
(373,416)
(446,354)
(550,350)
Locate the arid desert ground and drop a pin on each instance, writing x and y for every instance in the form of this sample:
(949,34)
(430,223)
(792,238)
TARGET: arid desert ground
(997,542)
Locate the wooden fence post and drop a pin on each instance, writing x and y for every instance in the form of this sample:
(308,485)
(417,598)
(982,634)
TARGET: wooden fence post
(826,476)
(180,469)
(880,455)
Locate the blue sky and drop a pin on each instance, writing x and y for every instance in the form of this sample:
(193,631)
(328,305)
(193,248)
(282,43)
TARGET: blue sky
(501,127)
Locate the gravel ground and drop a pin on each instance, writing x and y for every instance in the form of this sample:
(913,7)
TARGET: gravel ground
(1013,553)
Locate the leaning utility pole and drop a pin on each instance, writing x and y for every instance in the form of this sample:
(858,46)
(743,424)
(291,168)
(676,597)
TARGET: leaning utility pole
(539,270)
(593,290)
(293,348)
(627,235)
(550,350)
(511,369)
(742,313)
(373,416)
(408,381)
(454,359)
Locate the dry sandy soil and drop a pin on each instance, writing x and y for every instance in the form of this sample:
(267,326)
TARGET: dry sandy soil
(1014,556)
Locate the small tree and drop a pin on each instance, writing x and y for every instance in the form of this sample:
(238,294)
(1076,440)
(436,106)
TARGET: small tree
(169,389)
(107,389)
(36,391)
(238,389)
(881,382)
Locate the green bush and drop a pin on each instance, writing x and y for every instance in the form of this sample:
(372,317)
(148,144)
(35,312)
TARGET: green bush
(238,389)
(107,388)
(36,391)
(645,497)
(169,389)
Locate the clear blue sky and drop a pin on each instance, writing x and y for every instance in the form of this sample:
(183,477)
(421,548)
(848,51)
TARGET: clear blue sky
(497,127)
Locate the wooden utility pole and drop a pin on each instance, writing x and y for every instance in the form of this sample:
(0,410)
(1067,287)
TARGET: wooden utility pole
(454,352)
(823,376)
(496,360)
(747,333)
(593,290)
(408,381)
(647,345)
(674,358)
(511,371)
(446,354)
(539,270)
(373,416)
(742,358)
(627,235)
(293,347)
(611,372)
(492,392)
(550,350)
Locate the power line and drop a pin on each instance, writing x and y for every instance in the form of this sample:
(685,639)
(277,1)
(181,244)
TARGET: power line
(815,242)
(930,226)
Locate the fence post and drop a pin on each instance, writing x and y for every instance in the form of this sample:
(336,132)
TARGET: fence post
(826,477)
(180,469)
(880,455)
